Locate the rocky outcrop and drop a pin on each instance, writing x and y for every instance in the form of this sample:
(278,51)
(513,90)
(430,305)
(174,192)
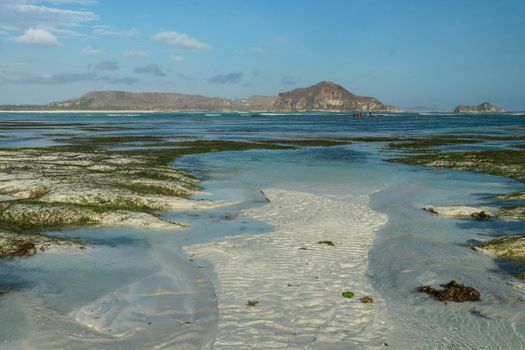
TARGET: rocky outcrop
(484,107)
(15,245)
(508,247)
(461,211)
(325,97)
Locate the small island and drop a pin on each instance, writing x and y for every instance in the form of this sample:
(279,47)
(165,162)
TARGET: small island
(484,107)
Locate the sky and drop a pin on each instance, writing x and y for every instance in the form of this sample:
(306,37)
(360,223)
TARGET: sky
(407,53)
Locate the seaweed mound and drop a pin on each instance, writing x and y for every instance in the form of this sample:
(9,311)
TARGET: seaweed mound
(452,291)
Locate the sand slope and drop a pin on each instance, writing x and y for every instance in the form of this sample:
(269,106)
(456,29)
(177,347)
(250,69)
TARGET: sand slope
(299,291)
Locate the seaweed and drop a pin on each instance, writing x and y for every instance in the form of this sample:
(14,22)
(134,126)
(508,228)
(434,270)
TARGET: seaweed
(328,243)
(451,291)
(367,299)
(347,294)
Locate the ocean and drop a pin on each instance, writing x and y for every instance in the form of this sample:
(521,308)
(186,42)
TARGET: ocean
(46,300)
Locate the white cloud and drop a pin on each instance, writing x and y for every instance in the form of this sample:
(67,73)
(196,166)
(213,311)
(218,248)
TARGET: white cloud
(90,51)
(59,2)
(112,31)
(22,14)
(258,50)
(63,78)
(176,58)
(37,37)
(132,53)
(180,40)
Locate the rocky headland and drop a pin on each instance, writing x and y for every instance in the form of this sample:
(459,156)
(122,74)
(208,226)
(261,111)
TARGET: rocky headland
(325,96)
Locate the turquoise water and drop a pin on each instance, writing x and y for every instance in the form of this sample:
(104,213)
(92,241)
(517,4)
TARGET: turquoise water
(413,248)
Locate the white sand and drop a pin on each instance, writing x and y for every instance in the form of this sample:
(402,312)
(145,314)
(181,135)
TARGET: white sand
(299,291)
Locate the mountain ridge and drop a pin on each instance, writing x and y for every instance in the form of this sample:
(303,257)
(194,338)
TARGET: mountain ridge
(322,97)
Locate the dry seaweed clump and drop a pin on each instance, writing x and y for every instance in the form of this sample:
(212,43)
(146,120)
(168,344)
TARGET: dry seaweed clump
(452,291)
(508,247)
(367,299)
(328,243)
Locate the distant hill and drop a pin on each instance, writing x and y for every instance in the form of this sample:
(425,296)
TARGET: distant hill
(484,107)
(325,96)
(122,100)
(322,97)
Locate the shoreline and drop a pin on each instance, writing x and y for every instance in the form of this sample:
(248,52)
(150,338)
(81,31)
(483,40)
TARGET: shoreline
(296,283)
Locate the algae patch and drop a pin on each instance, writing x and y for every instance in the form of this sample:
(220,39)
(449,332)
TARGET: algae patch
(347,294)
(509,247)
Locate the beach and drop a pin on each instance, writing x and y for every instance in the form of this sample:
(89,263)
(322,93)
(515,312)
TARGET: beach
(296,282)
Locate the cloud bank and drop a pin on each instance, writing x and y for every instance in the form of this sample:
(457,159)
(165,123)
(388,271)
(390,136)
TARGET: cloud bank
(230,78)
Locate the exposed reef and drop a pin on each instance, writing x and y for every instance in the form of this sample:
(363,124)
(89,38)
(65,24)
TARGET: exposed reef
(108,181)
(508,247)
(460,211)
(508,161)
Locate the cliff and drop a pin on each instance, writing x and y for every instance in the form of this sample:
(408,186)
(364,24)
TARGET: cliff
(325,96)
(484,107)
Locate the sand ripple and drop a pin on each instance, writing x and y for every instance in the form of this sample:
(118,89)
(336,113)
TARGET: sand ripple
(299,290)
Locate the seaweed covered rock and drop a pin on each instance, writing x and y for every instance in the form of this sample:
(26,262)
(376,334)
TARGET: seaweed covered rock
(509,247)
(13,245)
(452,291)
(23,248)
(461,211)
(481,215)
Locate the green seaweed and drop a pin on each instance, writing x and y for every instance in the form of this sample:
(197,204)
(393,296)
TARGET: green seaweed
(347,294)
(509,163)
(430,142)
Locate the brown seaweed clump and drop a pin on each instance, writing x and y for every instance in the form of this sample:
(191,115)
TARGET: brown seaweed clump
(452,291)
(367,299)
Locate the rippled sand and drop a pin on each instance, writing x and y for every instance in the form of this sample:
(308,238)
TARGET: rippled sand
(299,290)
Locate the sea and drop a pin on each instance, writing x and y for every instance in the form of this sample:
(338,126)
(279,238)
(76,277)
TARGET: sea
(43,299)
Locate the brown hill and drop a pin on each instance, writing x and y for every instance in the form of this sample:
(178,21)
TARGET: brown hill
(122,100)
(322,97)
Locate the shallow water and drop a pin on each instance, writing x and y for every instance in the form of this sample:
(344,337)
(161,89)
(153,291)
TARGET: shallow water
(140,286)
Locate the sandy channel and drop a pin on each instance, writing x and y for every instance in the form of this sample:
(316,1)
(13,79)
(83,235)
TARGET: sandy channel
(296,282)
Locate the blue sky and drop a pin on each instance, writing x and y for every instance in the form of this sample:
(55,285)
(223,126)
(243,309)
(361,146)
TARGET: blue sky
(406,53)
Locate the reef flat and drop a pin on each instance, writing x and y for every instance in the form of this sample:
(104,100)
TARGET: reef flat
(508,160)
(105,181)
